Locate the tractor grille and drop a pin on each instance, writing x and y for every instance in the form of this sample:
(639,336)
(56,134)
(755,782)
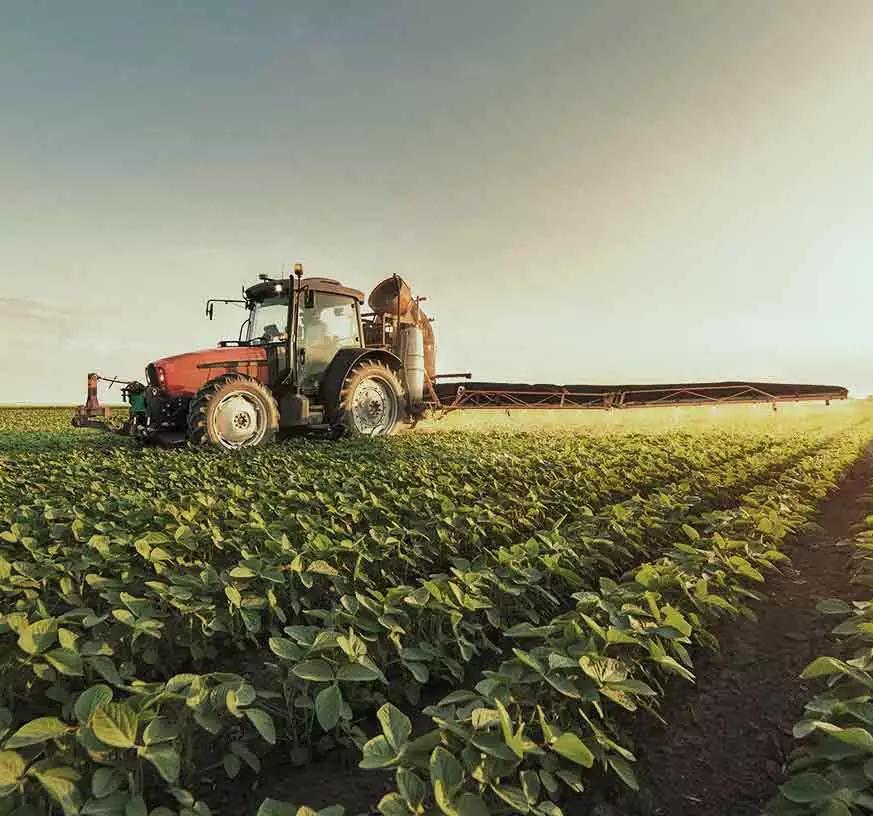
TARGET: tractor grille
(152,375)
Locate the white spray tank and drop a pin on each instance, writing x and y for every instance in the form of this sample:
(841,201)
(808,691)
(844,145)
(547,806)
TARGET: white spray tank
(412,355)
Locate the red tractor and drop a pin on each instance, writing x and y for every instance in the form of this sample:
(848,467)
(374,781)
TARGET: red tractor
(305,358)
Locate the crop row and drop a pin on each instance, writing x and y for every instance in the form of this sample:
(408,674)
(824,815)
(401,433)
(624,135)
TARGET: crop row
(831,770)
(445,486)
(424,503)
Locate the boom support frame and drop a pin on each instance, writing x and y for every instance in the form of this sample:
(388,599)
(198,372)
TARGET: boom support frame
(490,396)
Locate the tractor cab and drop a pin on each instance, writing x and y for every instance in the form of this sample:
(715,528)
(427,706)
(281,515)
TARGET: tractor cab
(325,319)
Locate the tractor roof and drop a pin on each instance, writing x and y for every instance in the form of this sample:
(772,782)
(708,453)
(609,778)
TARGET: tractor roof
(267,288)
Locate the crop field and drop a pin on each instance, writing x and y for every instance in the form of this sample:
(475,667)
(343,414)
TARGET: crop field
(460,623)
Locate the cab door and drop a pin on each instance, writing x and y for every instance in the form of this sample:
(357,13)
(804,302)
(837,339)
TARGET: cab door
(327,323)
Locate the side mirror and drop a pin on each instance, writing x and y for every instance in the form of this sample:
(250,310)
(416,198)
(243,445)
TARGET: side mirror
(210,308)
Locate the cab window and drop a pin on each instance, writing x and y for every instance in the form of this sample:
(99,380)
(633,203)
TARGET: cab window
(327,323)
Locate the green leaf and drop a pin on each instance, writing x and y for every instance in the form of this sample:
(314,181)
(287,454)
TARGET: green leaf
(110,805)
(647,576)
(392,804)
(317,670)
(445,770)
(636,687)
(165,759)
(494,745)
(471,804)
(65,661)
(59,783)
(241,750)
(692,534)
(530,785)
(411,788)
(106,669)
(245,694)
(160,729)
(275,807)
(622,767)
(357,673)
(115,724)
(285,648)
(675,619)
(743,567)
(105,781)
(857,737)
(396,726)
(824,666)
(232,765)
(673,665)
(807,787)
(263,722)
(377,753)
(514,797)
(12,768)
(183,533)
(38,636)
(322,568)
(563,685)
(328,704)
(89,699)
(529,660)
(36,731)
(569,746)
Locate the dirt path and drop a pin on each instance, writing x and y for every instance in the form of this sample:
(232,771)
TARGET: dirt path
(722,750)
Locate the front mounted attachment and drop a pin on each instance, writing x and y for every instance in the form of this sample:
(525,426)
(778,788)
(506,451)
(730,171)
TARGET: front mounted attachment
(86,415)
(94,415)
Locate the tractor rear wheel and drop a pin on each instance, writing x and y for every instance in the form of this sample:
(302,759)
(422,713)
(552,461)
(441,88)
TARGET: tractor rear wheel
(372,401)
(233,411)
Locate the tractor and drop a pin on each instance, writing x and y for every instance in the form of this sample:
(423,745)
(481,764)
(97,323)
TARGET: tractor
(306,358)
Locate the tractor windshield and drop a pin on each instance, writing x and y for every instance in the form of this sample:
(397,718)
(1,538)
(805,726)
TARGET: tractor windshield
(268,321)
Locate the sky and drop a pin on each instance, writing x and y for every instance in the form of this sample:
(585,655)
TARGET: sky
(616,191)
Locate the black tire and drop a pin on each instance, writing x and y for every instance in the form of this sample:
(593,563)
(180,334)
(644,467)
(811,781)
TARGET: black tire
(372,401)
(252,419)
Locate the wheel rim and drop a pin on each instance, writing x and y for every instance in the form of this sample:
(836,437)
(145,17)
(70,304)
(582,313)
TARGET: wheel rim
(238,421)
(374,407)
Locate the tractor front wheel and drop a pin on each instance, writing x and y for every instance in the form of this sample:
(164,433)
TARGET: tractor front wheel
(233,411)
(372,402)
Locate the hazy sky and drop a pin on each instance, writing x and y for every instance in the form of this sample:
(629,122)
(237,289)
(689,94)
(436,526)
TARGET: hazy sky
(585,191)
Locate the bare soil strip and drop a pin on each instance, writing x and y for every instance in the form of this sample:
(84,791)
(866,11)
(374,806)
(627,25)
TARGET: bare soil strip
(722,749)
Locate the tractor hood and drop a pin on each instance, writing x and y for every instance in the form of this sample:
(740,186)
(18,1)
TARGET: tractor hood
(183,375)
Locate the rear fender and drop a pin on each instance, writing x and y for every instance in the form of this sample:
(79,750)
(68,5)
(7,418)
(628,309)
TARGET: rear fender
(339,368)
